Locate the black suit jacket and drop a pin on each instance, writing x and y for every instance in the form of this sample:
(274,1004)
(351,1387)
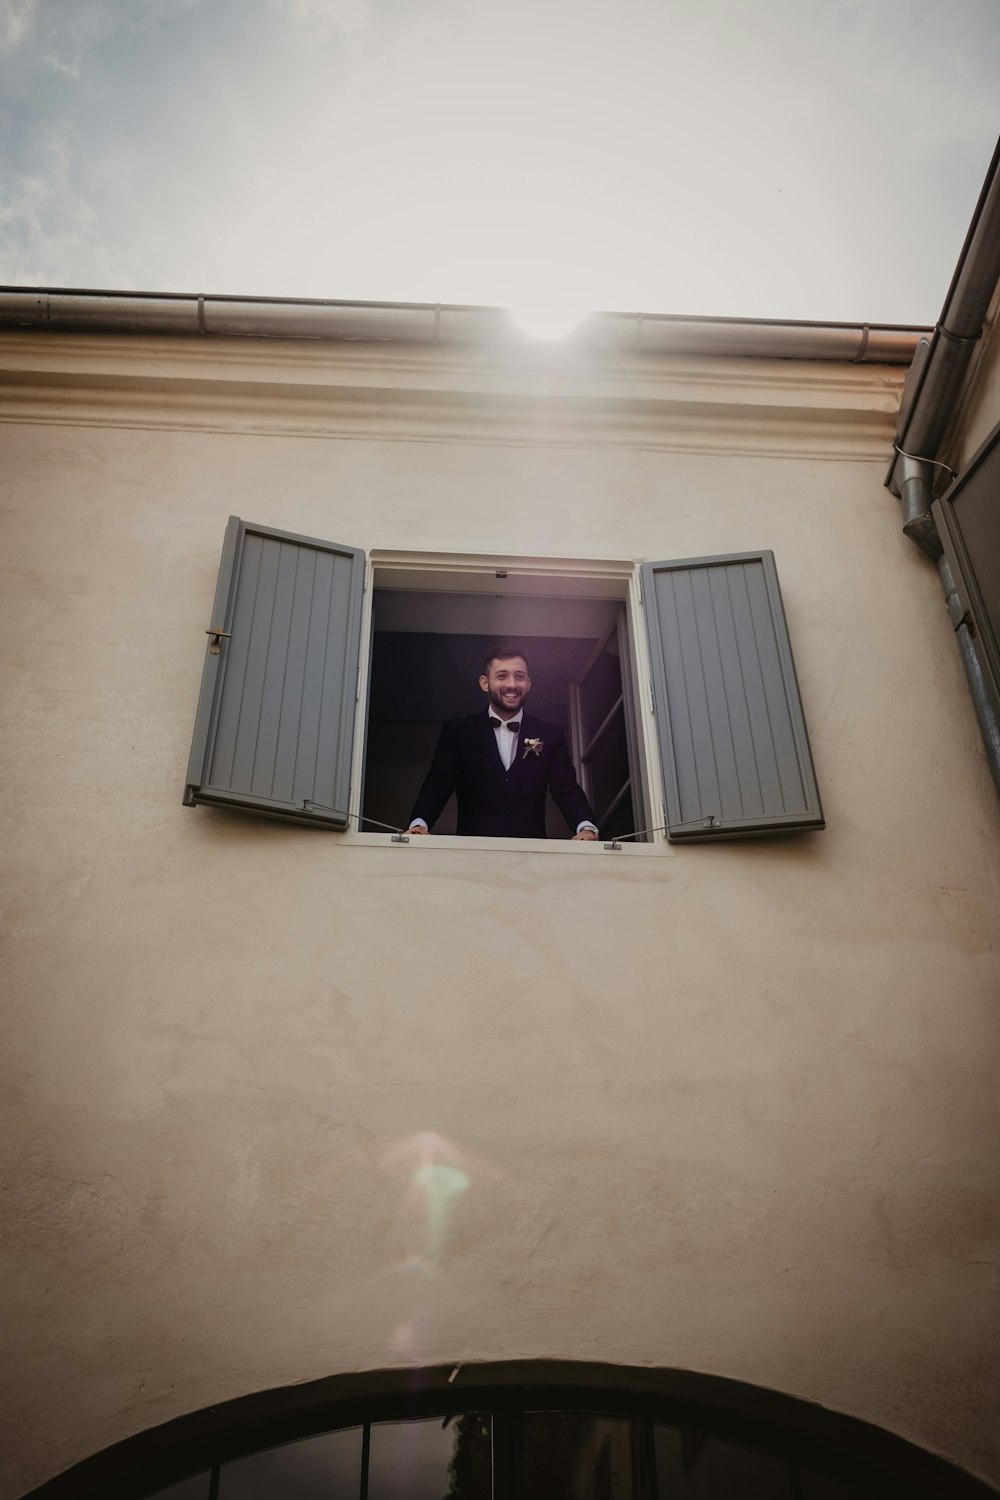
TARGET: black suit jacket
(495,802)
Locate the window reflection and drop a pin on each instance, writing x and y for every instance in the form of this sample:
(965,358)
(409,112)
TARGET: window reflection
(319,1468)
(566,1455)
(818,1487)
(188,1489)
(693,1466)
(580,1456)
(446,1456)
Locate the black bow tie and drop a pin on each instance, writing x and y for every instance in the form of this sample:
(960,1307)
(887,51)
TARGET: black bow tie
(495,724)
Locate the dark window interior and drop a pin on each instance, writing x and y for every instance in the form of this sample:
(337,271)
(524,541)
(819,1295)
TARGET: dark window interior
(557,1455)
(427,652)
(313,1469)
(571,1455)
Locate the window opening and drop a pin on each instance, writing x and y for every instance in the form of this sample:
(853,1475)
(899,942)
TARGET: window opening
(512,1453)
(311,1469)
(427,648)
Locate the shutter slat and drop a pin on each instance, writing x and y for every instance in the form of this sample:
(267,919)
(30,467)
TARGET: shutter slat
(748,666)
(781,740)
(275,722)
(744,753)
(727,801)
(290,726)
(252,693)
(333,732)
(236,654)
(683,771)
(733,742)
(275,671)
(312,687)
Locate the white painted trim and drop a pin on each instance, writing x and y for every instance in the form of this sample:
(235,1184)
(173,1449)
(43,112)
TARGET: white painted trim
(452,842)
(646,725)
(532,576)
(521,399)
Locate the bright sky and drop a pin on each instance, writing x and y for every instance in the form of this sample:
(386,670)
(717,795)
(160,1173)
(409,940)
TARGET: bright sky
(815,159)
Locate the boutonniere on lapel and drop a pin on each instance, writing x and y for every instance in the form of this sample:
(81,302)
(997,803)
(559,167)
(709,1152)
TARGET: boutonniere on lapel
(533,747)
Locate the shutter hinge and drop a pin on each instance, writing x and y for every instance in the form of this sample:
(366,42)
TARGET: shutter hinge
(652,700)
(216,643)
(639,582)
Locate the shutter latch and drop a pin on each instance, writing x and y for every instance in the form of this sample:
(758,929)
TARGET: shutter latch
(217,634)
(710,822)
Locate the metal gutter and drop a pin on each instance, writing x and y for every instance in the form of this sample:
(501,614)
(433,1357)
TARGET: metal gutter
(101,312)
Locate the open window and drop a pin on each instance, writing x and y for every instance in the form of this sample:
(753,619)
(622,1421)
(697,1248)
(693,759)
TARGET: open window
(318,707)
(431,626)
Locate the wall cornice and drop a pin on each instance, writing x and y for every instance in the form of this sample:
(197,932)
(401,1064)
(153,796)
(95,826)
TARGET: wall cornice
(545,396)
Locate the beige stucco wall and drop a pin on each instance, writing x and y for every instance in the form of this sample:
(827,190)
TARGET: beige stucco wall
(730,1109)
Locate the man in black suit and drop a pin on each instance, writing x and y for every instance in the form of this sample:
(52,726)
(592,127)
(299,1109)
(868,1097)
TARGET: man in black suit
(500,763)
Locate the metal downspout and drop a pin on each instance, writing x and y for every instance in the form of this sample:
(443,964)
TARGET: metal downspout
(939,381)
(916,496)
(973,671)
(915,492)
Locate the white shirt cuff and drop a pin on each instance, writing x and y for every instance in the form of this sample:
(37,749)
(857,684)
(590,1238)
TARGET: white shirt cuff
(581,826)
(417,823)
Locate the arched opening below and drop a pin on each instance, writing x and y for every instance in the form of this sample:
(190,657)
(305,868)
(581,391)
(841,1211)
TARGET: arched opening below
(522,1430)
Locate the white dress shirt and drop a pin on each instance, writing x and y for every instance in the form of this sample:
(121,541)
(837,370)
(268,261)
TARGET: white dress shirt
(507,738)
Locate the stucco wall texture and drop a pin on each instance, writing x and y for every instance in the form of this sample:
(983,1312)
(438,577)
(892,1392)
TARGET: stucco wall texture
(732,1109)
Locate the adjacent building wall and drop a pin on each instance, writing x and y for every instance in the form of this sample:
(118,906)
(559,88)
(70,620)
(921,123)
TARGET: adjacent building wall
(978,411)
(724,1108)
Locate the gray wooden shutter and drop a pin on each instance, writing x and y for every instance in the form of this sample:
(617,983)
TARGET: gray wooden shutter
(274,729)
(968,522)
(733,742)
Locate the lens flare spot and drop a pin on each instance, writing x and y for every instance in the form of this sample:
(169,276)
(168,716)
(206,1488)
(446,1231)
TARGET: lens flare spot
(404,1342)
(439,1181)
(433,1177)
(417,1265)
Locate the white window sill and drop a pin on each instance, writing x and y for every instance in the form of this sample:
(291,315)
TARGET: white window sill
(585,848)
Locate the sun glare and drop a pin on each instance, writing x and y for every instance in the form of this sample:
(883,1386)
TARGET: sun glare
(547,320)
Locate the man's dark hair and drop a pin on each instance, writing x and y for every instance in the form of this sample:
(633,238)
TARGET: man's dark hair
(502,653)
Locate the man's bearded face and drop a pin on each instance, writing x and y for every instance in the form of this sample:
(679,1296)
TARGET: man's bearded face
(507,685)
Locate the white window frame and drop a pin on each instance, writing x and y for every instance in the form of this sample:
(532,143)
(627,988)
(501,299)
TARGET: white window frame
(468,572)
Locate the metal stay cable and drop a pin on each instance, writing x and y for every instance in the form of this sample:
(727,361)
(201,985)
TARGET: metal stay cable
(401,835)
(307,802)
